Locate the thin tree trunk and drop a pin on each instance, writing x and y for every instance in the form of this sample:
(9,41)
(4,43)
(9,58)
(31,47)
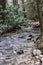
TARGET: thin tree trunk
(4,4)
(40,15)
(15,2)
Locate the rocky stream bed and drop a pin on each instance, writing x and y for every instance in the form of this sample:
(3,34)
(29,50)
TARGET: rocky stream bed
(20,49)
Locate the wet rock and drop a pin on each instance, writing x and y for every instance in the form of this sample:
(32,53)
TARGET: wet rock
(36,52)
(33,39)
(37,26)
(37,63)
(29,38)
(19,51)
(28,52)
(15,52)
(30,35)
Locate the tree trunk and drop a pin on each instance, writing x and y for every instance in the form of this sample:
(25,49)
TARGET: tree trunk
(40,15)
(23,5)
(15,2)
(3,4)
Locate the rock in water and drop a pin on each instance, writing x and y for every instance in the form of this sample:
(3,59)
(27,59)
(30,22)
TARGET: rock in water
(30,35)
(36,52)
(20,51)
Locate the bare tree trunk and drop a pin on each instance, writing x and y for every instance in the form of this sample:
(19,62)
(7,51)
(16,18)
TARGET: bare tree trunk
(15,2)
(3,4)
(23,5)
(40,15)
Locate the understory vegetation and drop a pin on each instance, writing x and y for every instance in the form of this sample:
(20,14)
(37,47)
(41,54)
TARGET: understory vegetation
(13,17)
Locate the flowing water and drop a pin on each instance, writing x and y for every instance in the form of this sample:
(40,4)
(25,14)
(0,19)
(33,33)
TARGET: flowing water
(10,45)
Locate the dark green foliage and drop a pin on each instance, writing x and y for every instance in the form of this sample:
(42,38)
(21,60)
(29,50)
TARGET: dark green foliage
(1,14)
(13,17)
(1,10)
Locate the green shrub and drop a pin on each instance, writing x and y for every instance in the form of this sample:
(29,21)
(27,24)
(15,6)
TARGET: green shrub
(13,17)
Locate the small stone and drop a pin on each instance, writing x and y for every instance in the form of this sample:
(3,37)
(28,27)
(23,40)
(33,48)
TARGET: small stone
(37,57)
(19,51)
(14,52)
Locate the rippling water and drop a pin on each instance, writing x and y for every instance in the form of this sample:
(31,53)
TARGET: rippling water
(9,44)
